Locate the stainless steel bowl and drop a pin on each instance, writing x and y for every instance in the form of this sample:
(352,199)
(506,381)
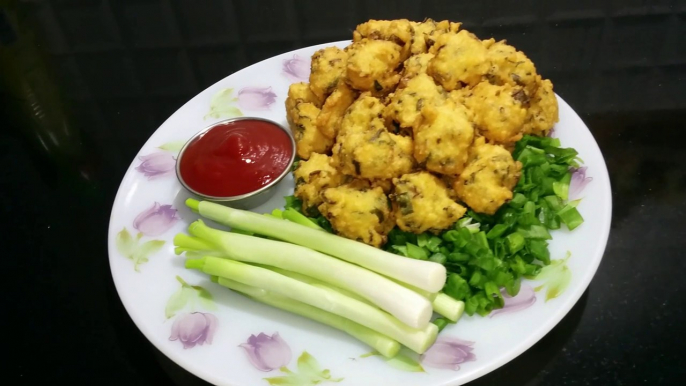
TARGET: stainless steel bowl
(243,201)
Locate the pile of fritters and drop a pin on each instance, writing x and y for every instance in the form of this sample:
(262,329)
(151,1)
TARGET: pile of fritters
(410,121)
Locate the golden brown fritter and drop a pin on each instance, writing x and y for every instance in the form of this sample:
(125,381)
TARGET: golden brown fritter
(385,185)
(426,33)
(373,65)
(373,154)
(543,110)
(329,120)
(396,31)
(308,139)
(298,93)
(460,96)
(421,203)
(487,181)
(312,177)
(498,112)
(507,65)
(406,104)
(327,69)
(359,212)
(442,141)
(413,66)
(460,60)
(364,114)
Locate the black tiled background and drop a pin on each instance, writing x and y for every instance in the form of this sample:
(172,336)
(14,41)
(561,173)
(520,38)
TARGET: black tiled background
(107,73)
(148,56)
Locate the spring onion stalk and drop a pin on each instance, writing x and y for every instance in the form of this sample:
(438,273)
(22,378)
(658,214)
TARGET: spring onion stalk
(293,215)
(425,294)
(427,275)
(418,340)
(406,305)
(317,283)
(447,306)
(379,342)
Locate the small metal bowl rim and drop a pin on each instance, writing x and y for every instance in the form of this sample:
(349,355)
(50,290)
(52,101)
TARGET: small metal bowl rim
(245,195)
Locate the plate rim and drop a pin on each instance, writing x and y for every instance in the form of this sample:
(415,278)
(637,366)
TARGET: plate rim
(510,354)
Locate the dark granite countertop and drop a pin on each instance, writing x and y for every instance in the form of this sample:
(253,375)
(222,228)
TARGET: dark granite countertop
(83,83)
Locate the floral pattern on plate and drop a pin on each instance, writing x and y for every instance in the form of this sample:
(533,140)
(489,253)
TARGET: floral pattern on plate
(132,249)
(525,298)
(556,277)
(193,329)
(296,69)
(448,353)
(156,220)
(188,296)
(157,165)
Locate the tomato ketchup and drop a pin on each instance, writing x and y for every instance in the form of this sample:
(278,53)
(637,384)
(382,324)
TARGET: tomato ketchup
(236,158)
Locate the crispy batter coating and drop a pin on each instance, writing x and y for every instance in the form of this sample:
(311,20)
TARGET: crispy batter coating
(507,65)
(396,31)
(373,65)
(327,69)
(312,177)
(442,141)
(365,113)
(359,212)
(308,139)
(406,104)
(543,111)
(333,110)
(426,33)
(413,66)
(421,203)
(498,112)
(298,93)
(373,153)
(487,181)
(460,96)
(460,59)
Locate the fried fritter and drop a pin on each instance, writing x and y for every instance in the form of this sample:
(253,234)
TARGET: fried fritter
(406,104)
(327,69)
(442,141)
(498,112)
(373,153)
(413,66)
(507,65)
(298,93)
(426,33)
(460,60)
(489,177)
(421,203)
(359,212)
(373,65)
(329,120)
(543,110)
(308,139)
(312,177)
(396,31)
(364,114)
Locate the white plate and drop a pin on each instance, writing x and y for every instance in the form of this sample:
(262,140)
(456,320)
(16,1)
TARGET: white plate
(221,328)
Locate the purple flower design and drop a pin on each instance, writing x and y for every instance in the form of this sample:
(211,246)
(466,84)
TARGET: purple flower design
(551,132)
(524,299)
(448,353)
(256,98)
(155,220)
(578,182)
(296,69)
(266,352)
(196,328)
(157,165)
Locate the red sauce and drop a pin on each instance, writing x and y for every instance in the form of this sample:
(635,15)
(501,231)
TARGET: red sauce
(236,158)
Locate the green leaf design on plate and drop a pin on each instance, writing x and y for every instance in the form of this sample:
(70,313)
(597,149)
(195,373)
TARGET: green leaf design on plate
(188,296)
(222,105)
(556,278)
(405,360)
(133,250)
(309,373)
(173,146)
